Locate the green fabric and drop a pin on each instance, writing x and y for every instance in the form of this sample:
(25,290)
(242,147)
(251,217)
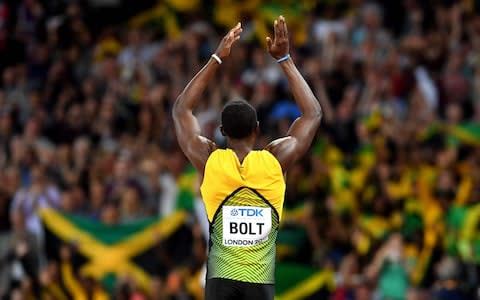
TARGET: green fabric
(320,146)
(107,234)
(429,132)
(109,283)
(466,133)
(456,217)
(292,237)
(186,189)
(393,282)
(412,223)
(288,275)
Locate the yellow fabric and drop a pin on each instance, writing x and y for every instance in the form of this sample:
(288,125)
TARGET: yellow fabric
(106,259)
(72,285)
(75,288)
(54,290)
(464,190)
(259,170)
(323,278)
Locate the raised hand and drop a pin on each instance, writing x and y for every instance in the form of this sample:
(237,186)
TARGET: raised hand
(280,45)
(231,37)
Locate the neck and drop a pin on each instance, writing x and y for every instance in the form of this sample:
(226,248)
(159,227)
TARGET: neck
(240,147)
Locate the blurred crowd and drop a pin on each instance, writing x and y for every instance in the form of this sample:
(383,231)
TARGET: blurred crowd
(85,128)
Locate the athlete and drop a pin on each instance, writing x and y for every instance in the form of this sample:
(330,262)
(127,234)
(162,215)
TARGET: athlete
(243,189)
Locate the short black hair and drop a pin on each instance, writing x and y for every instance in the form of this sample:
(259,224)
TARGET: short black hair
(239,119)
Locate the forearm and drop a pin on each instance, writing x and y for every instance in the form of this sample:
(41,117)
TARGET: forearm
(304,97)
(189,97)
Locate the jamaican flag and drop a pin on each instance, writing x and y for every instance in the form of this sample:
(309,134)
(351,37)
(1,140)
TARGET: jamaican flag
(307,283)
(466,133)
(111,251)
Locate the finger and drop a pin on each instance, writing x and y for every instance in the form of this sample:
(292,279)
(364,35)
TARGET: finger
(269,43)
(237,31)
(276,29)
(236,28)
(280,26)
(230,39)
(283,27)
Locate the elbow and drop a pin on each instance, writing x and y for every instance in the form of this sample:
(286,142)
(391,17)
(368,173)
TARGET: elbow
(176,109)
(316,111)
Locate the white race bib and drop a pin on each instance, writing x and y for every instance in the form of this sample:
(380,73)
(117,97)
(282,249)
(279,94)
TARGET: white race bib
(245,226)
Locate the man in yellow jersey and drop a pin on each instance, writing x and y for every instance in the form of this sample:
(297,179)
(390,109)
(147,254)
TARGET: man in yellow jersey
(243,189)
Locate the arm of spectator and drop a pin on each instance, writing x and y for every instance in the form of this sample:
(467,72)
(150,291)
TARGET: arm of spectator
(324,99)
(456,31)
(195,146)
(372,271)
(71,283)
(18,199)
(302,131)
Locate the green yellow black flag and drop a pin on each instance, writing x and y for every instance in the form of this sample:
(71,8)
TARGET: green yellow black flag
(110,251)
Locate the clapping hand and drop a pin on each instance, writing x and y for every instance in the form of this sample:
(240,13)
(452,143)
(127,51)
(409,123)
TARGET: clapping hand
(280,45)
(231,37)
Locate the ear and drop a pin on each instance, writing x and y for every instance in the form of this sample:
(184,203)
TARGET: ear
(257,130)
(222,131)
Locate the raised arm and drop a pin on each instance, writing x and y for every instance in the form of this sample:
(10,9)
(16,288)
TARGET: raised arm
(195,146)
(302,131)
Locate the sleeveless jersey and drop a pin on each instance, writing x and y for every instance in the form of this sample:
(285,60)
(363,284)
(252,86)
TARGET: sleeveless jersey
(244,206)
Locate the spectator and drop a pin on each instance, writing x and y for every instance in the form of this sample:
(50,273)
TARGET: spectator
(31,199)
(20,256)
(389,266)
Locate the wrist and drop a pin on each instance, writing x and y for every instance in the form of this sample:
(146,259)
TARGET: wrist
(216,58)
(283,58)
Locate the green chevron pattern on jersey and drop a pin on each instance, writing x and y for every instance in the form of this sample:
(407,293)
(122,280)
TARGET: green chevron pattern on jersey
(255,264)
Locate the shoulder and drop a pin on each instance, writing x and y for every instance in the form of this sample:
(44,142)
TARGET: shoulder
(279,145)
(284,150)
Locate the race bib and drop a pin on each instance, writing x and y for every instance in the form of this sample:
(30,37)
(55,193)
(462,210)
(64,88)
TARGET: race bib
(245,226)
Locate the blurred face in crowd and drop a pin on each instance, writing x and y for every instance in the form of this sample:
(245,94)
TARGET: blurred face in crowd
(12,179)
(32,129)
(174,283)
(371,16)
(96,192)
(145,118)
(68,202)
(445,186)
(415,294)
(454,113)
(122,169)
(110,214)
(81,149)
(38,174)
(363,292)
(107,109)
(18,149)
(130,200)
(135,37)
(395,247)
(157,285)
(110,68)
(9,78)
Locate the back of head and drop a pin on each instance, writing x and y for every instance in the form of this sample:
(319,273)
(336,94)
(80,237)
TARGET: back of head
(239,119)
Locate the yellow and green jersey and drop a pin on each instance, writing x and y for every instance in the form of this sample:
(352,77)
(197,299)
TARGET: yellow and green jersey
(244,206)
